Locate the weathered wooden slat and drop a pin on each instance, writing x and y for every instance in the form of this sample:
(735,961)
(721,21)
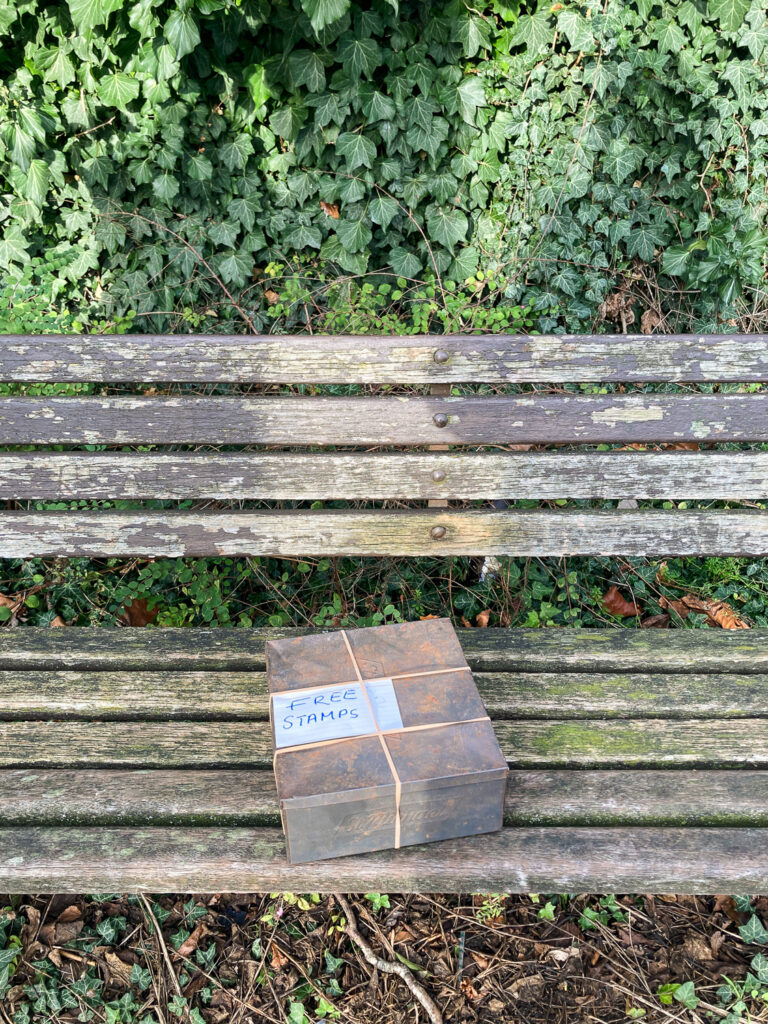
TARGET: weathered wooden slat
(384,532)
(206,696)
(487,650)
(294,476)
(585,743)
(396,420)
(395,360)
(682,860)
(110,797)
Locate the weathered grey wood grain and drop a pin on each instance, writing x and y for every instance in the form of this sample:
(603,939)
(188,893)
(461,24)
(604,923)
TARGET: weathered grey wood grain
(652,742)
(607,650)
(681,860)
(395,360)
(207,696)
(516,533)
(296,476)
(109,797)
(394,420)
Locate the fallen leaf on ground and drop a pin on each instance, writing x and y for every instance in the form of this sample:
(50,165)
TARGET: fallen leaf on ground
(120,971)
(57,621)
(655,622)
(719,613)
(138,613)
(189,945)
(469,991)
(616,604)
(482,618)
(277,957)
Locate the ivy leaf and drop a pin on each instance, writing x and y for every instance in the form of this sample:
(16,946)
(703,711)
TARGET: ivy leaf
(235,267)
(379,107)
(307,69)
(244,208)
(357,150)
(224,234)
(165,186)
(13,248)
(305,235)
(256,81)
(87,14)
(199,167)
(670,36)
(36,185)
(686,995)
(739,73)
(354,235)
(322,13)
(446,225)
(383,210)
(471,95)
(675,260)
(729,13)
(465,263)
(576,29)
(287,121)
(359,56)
(642,241)
(473,34)
(533,31)
(234,154)
(620,160)
(118,89)
(754,932)
(61,69)
(182,33)
(404,263)
(759,964)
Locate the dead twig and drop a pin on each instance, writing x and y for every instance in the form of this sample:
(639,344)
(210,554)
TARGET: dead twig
(387,966)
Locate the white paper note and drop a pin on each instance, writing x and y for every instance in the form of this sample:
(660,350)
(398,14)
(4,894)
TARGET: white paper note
(333,713)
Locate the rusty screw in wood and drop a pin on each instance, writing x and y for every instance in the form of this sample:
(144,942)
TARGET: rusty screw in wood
(438,532)
(440,419)
(441,356)
(438,475)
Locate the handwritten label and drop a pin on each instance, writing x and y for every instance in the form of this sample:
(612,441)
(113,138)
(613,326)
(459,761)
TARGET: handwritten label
(334,713)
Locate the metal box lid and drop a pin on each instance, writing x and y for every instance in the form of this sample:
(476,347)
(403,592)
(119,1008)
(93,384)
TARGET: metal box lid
(446,737)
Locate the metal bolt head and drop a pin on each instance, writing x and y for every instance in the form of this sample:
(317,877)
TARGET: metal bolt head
(438,475)
(440,419)
(441,356)
(438,532)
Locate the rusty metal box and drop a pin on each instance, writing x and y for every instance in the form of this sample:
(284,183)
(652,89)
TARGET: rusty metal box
(381,740)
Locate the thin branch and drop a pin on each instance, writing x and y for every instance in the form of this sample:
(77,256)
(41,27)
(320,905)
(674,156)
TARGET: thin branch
(386,966)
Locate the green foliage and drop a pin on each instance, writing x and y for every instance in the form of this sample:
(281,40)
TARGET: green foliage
(378,901)
(160,153)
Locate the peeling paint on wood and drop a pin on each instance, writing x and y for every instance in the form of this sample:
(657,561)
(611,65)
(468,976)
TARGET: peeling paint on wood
(383,532)
(384,359)
(353,421)
(327,475)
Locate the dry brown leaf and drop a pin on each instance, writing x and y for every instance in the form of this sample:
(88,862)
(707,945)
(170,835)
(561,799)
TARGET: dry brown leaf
(60,933)
(649,321)
(277,958)
(716,940)
(469,991)
(719,613)
(616,604)
(482,618)
(271,296)
(138,612)
(655,622)
(481,961)
(330,209)
(189,945)
(57,621)
(402,934)
(423,618)
(677,607)
(71,913)
(121,972)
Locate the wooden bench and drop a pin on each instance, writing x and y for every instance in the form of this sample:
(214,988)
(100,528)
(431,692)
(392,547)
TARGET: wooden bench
(140,759)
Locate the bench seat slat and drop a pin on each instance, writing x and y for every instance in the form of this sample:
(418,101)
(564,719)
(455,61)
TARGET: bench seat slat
(540,419)
(379,359)
(223,696)
(646,742)
(109,797)
(231,476)
(609,650)
(682,860)
(516,533)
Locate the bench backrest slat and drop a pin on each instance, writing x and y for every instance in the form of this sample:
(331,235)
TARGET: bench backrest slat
(534,419)
(385,360)
(234,476)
